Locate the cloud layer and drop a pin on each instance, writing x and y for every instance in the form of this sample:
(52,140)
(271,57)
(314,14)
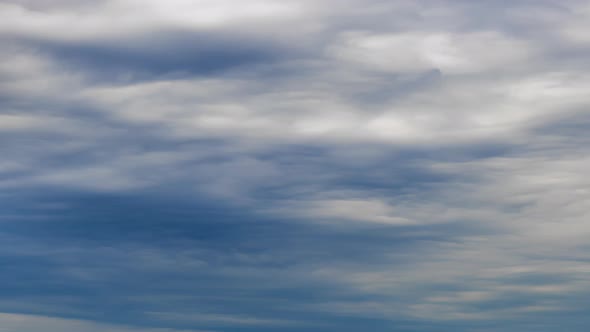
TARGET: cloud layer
(294,165)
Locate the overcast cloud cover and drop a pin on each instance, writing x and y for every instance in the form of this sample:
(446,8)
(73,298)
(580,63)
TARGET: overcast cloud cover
(294,165)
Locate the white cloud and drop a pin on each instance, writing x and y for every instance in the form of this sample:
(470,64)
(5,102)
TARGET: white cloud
(358,210)
(110,20)
(452,53)
(384,78)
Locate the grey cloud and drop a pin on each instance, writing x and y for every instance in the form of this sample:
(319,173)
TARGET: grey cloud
(397,162)
(161,55)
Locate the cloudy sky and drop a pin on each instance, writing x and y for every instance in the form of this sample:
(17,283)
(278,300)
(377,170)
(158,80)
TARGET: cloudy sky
(294,165)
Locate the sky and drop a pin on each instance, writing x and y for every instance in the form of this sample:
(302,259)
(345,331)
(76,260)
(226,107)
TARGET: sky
(294,165)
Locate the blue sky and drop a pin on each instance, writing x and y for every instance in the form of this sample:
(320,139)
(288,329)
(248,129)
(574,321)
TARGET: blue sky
(294,165)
